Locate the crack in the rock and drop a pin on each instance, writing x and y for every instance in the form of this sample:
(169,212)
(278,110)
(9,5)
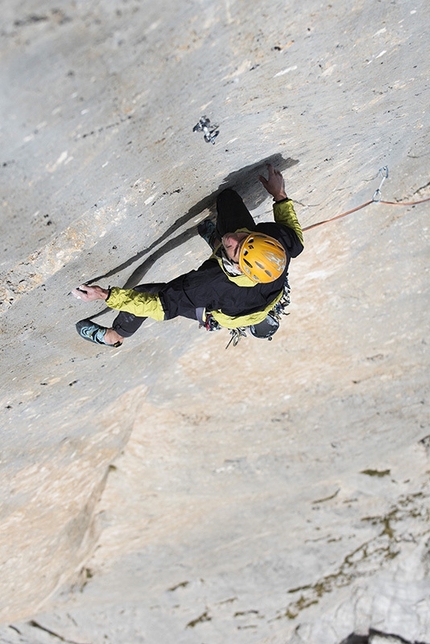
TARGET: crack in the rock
(50,632)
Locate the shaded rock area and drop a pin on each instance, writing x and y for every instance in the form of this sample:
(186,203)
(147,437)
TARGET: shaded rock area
(375,637)
(171,491)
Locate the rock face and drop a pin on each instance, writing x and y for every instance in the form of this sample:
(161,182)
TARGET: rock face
(172,491)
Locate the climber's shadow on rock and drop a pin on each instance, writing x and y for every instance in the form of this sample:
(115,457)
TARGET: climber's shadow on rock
(245,181)
(376,637)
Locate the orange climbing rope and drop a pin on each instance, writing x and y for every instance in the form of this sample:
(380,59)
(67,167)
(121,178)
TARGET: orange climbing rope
(364,205)
(344,214)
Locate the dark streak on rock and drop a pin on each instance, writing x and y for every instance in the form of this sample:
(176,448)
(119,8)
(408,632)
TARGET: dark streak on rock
(47,630)
(183,584)
(204,617)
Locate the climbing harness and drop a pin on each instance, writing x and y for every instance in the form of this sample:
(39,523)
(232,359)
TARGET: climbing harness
(210,324)
(266,329)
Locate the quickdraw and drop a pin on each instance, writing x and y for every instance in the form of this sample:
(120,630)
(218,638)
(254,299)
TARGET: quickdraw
(210,131)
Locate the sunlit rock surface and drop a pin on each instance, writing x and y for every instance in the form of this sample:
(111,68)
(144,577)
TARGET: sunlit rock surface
(172,490)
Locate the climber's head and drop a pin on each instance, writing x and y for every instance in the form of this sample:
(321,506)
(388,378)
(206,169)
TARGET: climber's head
(260,257)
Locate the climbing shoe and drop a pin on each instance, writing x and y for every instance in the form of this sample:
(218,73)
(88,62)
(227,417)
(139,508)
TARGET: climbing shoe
(206,229)
(93,332)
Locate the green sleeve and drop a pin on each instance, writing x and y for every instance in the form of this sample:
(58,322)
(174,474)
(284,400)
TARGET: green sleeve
(285,214)
(140,304)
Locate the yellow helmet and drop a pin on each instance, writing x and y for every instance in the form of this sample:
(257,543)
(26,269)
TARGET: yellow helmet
(262,258)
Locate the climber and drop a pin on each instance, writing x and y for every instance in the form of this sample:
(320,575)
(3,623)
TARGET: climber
(237,286)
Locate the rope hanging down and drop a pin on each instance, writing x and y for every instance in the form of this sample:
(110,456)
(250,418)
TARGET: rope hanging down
(375,199)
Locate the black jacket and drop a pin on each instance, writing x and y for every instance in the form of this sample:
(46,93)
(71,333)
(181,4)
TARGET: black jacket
(209,286)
